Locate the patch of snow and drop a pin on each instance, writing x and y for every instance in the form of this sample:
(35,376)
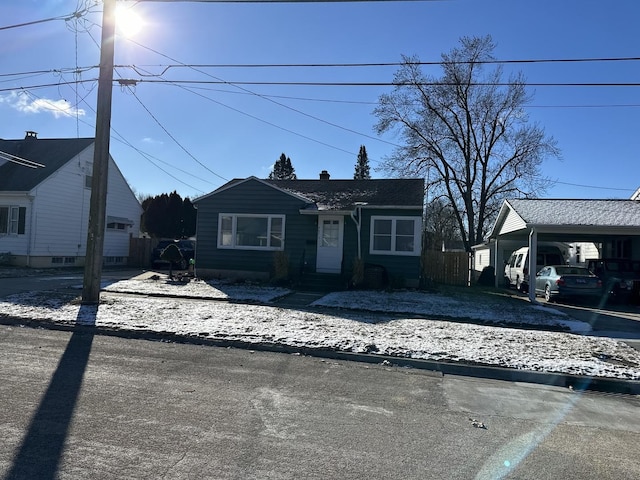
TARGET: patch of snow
(345,329)
(198,289)
(442,306)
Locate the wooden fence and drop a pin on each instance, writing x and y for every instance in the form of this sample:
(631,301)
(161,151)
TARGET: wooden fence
(140,252)
(449,268)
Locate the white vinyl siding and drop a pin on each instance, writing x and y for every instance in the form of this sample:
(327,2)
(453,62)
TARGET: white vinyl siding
(251,232)
(61,211)
(395,235)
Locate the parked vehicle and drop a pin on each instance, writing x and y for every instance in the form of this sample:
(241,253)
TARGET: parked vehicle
(516,269)
(620,277)
(187,249)
(565,281)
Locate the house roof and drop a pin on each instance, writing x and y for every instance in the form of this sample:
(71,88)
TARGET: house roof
(345,195)
(51,152)
(582,217)
(578,212)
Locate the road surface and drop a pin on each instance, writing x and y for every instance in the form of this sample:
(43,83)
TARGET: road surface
(79,405)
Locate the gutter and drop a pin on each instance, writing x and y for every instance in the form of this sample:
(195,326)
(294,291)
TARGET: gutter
(358,223)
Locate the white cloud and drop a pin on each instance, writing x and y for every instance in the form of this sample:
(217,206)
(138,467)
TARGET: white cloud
(152,141)
(57,108)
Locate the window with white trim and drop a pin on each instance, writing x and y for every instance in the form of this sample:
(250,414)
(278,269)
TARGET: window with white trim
(395,235)
(12,220)
(251,232)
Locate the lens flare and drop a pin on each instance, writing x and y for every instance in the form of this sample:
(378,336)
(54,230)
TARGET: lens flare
(128,22)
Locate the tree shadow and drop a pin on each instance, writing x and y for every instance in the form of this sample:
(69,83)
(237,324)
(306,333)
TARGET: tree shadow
(42,448)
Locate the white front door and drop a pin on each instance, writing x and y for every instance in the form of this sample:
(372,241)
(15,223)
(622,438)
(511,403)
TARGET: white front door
(330,239)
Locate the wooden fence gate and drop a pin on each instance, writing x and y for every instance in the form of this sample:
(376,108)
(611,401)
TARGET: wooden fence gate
(449,268)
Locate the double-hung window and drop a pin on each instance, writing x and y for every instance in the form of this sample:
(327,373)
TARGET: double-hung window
(12,220)
(251,232)
(395,235)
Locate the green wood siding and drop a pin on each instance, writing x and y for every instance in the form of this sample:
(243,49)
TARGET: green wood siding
(398,266)
(253,197)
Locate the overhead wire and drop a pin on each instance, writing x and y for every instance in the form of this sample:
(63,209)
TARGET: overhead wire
(79,12)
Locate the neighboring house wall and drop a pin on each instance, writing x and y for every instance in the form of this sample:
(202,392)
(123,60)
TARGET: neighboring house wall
(57,216)
(122,207)
(14,222)
(581,252)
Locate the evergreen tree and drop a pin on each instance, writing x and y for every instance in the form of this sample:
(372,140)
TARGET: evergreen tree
(283,169)
(168,216)
(362,165)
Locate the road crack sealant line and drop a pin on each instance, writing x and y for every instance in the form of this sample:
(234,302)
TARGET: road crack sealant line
(573,382)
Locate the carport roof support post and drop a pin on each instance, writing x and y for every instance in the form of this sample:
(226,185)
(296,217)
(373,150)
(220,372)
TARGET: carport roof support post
(533,255)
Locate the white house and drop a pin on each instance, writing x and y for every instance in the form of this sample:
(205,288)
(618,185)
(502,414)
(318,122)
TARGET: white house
(44,211)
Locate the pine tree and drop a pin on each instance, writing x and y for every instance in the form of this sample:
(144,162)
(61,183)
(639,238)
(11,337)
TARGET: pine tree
(169,216)
(362,165)
(283,169)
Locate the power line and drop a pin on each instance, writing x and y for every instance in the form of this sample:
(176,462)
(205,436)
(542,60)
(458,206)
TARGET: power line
(381,84)
(595,187)
(240,111)
(77,14)
(379,64)
(174,138)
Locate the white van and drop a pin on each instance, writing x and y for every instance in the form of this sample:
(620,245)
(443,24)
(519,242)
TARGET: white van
(516,269)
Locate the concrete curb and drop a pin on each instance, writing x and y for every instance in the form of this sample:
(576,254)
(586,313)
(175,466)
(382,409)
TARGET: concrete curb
(574,382)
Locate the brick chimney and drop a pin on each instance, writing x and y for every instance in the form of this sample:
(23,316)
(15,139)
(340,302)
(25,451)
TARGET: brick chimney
(30,135)
(324,175)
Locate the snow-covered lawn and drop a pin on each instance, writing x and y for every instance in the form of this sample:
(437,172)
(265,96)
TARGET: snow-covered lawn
(411,333)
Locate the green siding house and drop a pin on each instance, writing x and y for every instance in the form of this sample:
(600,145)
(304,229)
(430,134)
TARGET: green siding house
(319,227)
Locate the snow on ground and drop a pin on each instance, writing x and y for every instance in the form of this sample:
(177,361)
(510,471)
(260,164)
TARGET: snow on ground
(347,328)
(214,289)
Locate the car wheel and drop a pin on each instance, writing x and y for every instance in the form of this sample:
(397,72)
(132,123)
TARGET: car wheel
(507,282)
(547,293)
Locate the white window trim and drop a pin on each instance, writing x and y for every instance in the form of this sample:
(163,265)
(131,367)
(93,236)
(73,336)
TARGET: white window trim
(13,220)
(234,224)
(417,232)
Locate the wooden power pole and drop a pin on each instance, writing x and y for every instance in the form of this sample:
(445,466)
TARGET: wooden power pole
(98,204)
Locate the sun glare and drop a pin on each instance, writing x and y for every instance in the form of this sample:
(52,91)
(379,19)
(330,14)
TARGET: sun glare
(128,22)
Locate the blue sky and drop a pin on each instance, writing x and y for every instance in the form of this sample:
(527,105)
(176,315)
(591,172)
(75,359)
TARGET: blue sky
(197,136)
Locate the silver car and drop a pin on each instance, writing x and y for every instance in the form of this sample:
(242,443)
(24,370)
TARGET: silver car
(566,281)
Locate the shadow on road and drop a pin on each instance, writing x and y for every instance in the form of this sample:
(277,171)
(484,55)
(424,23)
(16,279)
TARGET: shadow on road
(43,445)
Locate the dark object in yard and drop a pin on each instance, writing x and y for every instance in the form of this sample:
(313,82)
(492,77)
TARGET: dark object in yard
(375,276)
(172,255)
(487,277)
(186,247)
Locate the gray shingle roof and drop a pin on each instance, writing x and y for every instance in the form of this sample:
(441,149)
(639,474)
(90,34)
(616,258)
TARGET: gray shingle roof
(52,152)
(345,194)
(614,213)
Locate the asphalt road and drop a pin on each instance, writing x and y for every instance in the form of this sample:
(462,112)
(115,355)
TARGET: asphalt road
(78,405)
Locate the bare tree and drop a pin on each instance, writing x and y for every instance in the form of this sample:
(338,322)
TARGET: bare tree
(467,133)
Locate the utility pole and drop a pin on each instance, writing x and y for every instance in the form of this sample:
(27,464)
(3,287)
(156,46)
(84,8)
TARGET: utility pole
(98,204)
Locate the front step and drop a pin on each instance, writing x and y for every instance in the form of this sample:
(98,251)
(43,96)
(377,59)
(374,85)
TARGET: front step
(322,282)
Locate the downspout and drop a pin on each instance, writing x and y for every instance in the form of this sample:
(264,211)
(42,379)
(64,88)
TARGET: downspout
(358,223)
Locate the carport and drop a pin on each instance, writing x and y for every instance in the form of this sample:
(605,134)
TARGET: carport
(613,224)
